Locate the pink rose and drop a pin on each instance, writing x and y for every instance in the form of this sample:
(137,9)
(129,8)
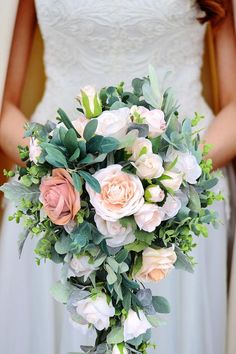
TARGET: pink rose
(34,150)
(60,199)
(149,217)
(121,193)
(156,264)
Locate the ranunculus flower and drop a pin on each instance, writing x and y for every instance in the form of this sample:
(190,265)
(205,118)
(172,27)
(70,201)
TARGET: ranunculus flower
(114,123)
(171,207)
(96,310)
(135,325)
(174,182)
(186,164)
(156,264)
(141,146)
(117,235)
(34,150)
(149,166)
(81,266)
(119,349)
(154,194)
(60,199)
(121,193)
(90,102)
(155,119)
(149,217)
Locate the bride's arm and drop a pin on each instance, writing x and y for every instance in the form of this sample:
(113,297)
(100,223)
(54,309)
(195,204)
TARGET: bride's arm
(222,132)
(12,119)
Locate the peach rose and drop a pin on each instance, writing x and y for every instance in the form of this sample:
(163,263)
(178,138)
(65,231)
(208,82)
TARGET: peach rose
(121,193)
(60,199)
(149,217)
(156,264)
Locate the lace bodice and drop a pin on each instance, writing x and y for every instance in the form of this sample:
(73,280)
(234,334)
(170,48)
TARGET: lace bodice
(104,42)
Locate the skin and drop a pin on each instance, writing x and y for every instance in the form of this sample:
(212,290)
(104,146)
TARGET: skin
(221,133)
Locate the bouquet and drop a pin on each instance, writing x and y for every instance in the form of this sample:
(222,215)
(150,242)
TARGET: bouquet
(117,197)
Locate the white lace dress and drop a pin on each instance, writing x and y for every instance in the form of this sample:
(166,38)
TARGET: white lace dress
(103,42)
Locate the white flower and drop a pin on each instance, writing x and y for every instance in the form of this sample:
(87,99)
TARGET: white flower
(121,193)
(156,122)
(140,147)
(149,217)
(82,266)
(149,166)
(90,101)
(174,182)
(96,310)
(117,235)
(80,124)
(156,264)
(171,207)
(119,349)
(114,123)
(34,150)
(186,164)
(154,194)
(135,325)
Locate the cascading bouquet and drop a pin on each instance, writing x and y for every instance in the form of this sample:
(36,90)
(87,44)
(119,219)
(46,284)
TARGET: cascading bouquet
(116,196)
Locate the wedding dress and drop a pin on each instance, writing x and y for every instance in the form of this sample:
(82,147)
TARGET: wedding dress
(103,42)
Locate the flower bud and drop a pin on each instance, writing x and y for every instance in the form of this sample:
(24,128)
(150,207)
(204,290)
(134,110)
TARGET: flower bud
(90,102)
(154,194)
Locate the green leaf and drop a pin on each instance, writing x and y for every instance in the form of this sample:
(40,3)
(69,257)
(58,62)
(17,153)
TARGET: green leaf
(146,237)
(15,191)
(160,304)
(137,264)
(156,142)
(183,262)
(149,96)
(137,85)
(63,245)
(67,122)
(194,200)
(126,299)
(109,144)
(75,155)
(154,84)
(170,166)
(136,246)
(111,276)
(93,182)
(116,335)
(61,292)
(90,129)
(121,256)
(70,141)
(54,156)
(77,181)
(118,104)
(93,145)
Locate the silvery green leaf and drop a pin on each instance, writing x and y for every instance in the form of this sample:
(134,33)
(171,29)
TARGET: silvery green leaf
(113,264)
(63,245)
(143,129)
(183,261)
(129,139)
(98,262)
(111,276)
(64,272)
(21,241)
(123,268)
(153,320)
(116,105)
(154,83)
(144,296)
(194,200)
(149,96)
(116,335)
(62,292)
(77,295)
(161,304)
(15,191)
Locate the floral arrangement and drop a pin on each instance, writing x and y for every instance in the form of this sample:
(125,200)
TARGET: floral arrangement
(116,196)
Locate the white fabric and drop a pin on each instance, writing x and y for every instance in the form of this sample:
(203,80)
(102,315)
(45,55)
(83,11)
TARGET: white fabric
(8,11)
(103,42)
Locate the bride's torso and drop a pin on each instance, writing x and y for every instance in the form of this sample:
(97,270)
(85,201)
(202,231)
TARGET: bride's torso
(103,42)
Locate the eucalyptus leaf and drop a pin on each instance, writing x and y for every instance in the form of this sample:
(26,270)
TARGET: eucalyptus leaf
(16,191)
(93,182)
(62,292)
(161,304)
(77,181)
(183,262)
(70,140)
(90,129)
(116,335)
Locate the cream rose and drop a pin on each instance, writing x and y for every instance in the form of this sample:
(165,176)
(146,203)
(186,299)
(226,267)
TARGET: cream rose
(116,234)
(154,194)
(149,217)
(156,122)
(114,123)
(149,166)
(141,146)
(96,310)
(174,182)
(135,325)
(171,207)
(156,264)
(81,266)
(121,193)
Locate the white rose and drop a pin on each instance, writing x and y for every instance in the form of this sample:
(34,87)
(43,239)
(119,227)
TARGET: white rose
(141,146)
(81,266)
(149,217)
(114,123)
(138,113)
(90,102)
(186,164)
(80,124)
(96,311)
(174,182)
(154,194)
(135,325)
(156,122)
(117,235)
(156,264)
(34,150)
(121,193)
(149,166)
(119,349)
(171,207)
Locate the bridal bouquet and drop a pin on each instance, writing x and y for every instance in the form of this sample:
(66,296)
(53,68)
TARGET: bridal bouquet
(117,196)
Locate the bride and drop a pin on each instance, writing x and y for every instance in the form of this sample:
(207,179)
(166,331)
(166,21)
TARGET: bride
(103,42)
